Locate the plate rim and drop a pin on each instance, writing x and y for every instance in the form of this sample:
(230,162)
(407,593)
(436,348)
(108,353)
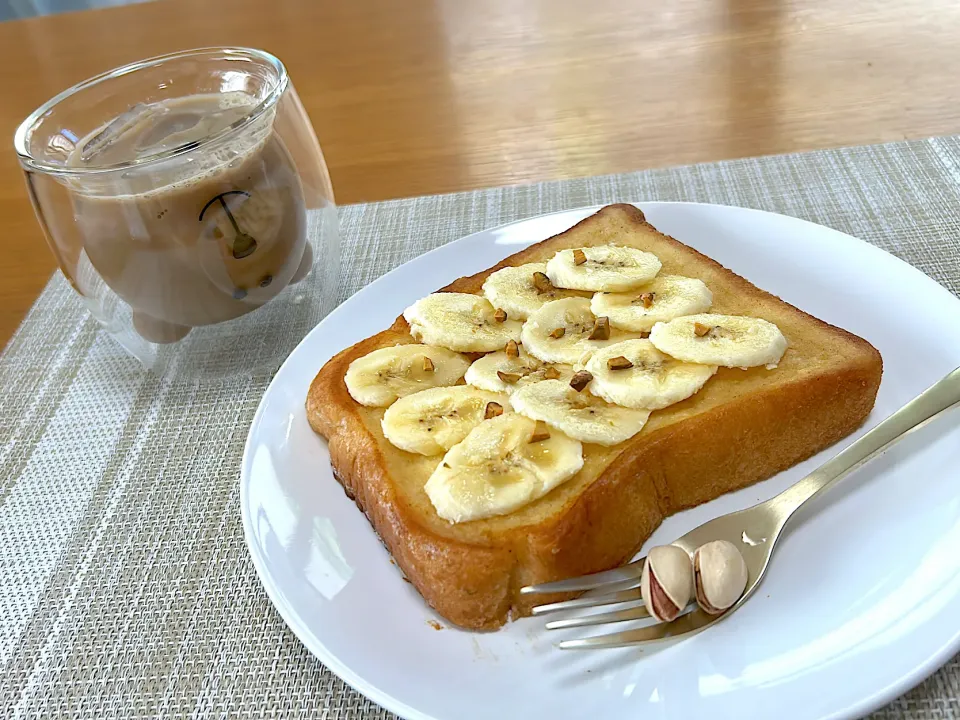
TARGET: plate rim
(949,648)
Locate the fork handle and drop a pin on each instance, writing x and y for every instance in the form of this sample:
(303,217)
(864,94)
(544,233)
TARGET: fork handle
(934,400)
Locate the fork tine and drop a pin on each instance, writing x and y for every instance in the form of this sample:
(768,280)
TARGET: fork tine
(690,623)
(630,571)
(589,601)
(634,613)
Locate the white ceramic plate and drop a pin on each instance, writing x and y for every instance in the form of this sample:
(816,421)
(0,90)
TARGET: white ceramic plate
(862,600)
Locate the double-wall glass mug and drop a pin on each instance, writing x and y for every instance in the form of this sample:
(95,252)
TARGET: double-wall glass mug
(187,201)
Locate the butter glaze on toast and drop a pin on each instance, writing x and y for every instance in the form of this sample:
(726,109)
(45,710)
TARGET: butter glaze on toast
(742,427)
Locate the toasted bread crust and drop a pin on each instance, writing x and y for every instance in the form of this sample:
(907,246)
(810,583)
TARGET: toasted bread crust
(749,437)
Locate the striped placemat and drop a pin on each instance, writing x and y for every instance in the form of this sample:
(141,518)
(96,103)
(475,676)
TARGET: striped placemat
(125,586)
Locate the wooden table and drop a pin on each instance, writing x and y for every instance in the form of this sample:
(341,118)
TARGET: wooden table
(429,96)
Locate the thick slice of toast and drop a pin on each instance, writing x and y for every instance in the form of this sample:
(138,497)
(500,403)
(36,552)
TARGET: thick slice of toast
(742,427)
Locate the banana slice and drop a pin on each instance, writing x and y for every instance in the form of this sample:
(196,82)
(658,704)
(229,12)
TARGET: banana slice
(379,378)
(560,332)
(500,467)
(513,289)
(578,414)
(606,268)
(498,372)
(725,340)
(432,421)
(635,374)
(662,299)
(460,321)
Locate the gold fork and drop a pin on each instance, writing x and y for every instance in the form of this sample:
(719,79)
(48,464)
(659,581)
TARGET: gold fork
(754,531)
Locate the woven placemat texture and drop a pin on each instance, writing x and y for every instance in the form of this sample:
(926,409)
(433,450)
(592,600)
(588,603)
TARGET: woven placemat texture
(126,590)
